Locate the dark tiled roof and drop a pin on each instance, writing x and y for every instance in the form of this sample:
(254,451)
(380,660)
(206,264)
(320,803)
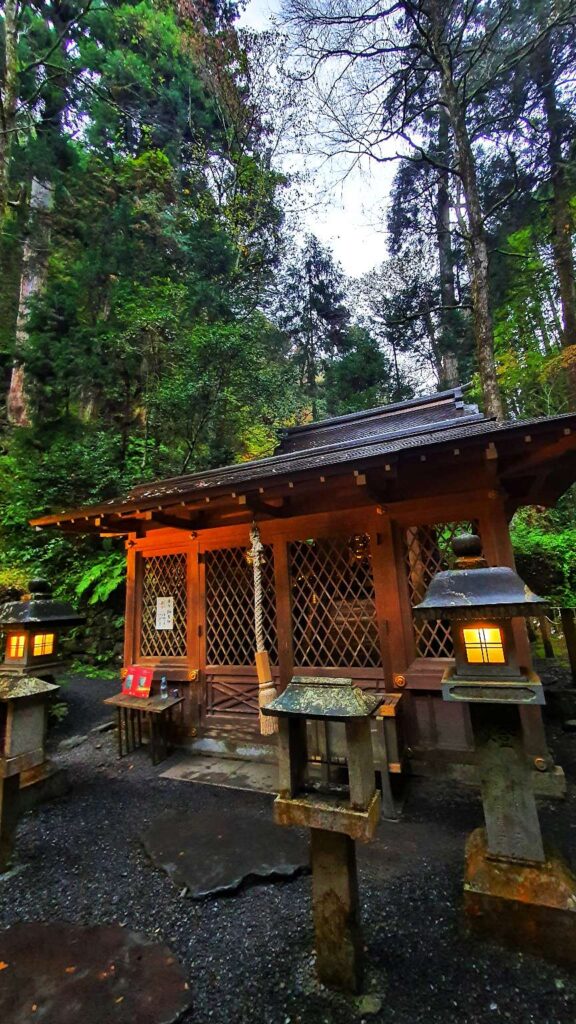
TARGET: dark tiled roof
(356,438)
(371,423)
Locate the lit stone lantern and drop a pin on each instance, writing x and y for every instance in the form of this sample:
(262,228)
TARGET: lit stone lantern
(32,628)
(512,888)
(335,815)
(23,710)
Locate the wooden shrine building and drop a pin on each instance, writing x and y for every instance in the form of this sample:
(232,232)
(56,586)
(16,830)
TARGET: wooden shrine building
(356,514)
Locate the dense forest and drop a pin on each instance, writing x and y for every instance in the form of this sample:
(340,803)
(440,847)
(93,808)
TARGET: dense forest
(163,307)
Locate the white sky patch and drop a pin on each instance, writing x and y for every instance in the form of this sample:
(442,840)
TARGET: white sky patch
(347,213)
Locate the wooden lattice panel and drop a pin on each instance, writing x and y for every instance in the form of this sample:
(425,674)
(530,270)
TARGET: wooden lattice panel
(231,696)
(230,636)
(428,551)
(163,576)
(334,621)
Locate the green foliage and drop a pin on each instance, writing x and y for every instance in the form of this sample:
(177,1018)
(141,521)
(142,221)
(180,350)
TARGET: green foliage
(170,327)
(103,576)
(545,550)
(58,710)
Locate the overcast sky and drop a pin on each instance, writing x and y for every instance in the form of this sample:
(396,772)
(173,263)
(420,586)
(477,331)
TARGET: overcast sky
(350,216)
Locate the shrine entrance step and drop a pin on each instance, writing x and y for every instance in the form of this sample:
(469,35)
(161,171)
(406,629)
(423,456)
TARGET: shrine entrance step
(226,772)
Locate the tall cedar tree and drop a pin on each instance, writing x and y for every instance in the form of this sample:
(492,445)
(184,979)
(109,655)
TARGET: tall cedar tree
(380,70)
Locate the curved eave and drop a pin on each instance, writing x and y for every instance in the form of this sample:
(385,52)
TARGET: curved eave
(534,460)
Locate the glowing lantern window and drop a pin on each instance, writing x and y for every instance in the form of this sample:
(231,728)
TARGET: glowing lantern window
(43,644)
(484,645)
(16,645)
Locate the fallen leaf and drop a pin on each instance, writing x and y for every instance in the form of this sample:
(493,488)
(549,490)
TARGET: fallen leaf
(69,970)
(3,965)
(120,999)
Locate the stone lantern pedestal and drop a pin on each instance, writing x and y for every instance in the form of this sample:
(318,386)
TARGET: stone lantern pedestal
(513,888)
(23,710)
(336,815)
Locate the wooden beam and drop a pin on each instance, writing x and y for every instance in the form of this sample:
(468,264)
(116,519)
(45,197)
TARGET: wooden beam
(536,458)
(256,505)
(176,522)
(121,526)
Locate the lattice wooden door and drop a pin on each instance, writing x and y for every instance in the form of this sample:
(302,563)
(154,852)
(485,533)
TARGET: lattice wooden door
(334,622)
(230,638)
(428,550)
(164,576)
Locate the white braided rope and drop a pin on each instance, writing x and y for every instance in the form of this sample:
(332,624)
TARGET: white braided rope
(257,559)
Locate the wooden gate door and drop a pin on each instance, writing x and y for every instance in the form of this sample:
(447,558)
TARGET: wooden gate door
(334,622)
(231,683)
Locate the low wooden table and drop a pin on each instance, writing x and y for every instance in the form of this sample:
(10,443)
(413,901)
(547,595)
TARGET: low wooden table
(159,712)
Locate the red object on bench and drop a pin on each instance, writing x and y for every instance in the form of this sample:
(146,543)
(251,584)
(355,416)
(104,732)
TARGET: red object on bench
(137,682)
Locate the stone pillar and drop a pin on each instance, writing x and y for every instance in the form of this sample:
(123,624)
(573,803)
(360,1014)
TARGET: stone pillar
(9,799)
(336,910)
(512,825)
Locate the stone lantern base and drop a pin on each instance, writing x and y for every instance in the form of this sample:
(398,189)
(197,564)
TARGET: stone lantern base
(528,906)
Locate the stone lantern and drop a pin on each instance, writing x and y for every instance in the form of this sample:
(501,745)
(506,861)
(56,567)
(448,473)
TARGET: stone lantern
(512,887)
(336,815)
(23,710)
(32,628)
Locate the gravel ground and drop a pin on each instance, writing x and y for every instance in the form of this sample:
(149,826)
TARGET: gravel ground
(249,955)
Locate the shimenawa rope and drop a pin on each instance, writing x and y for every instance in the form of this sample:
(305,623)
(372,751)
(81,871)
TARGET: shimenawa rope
(266,688)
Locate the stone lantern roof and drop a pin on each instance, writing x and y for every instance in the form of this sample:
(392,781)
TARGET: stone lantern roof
(333,698)
(39,609)
(473,589)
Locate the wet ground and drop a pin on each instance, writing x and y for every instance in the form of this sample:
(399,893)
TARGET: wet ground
(249,956)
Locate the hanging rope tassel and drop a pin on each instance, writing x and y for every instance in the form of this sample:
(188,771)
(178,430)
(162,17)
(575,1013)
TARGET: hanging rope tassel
(266,688)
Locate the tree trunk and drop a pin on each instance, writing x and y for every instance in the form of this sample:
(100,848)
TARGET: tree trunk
(476,245)
(449,376)
(477,253)
(34,267)
(8,100)
(562,216)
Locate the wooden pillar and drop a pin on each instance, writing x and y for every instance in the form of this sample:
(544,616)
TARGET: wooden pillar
(336,910)
(130,606)
(546,636)
(282,584)
(194,627)
(389,581)
(569,629)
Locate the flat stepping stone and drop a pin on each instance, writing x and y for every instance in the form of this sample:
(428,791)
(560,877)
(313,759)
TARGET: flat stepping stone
(210,853)
(60,973)
(228,773)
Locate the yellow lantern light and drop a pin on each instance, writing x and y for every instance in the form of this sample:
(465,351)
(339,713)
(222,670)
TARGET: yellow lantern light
(15,645)
(484,645)
(43,644)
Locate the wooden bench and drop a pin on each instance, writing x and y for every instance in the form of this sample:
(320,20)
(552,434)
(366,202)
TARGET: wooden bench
(131,713)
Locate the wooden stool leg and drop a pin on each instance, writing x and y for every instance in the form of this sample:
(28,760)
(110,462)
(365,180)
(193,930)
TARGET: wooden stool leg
(381,760)
(153,739)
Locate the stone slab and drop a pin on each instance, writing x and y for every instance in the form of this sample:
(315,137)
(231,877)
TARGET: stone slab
(61,973)
(209,853)
(225,771)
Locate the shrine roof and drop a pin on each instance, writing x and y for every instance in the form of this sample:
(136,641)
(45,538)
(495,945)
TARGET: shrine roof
(359,438)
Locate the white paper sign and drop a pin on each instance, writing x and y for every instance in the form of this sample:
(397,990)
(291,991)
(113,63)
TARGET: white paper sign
(164,613)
